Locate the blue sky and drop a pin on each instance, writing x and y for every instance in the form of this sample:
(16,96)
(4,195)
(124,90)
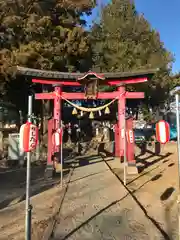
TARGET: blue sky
(164,16)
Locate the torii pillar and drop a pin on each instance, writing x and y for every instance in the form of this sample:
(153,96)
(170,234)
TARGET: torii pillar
(53,125)
(121,118)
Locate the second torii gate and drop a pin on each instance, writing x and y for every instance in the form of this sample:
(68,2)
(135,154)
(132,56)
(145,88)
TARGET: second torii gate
(91,82)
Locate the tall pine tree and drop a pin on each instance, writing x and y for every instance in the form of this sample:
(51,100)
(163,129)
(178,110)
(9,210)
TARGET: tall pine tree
(125,41)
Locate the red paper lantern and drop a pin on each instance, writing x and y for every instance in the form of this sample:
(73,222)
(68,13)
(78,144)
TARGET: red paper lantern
(130,136)
(162,132)
(28,137)
(57,137)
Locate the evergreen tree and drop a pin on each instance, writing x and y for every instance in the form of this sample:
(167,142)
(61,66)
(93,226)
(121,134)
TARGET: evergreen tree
(124,41)
(46,34)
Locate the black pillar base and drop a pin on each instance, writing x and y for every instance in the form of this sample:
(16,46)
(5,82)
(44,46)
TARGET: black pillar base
(157,148)
(49,172)
(143,148)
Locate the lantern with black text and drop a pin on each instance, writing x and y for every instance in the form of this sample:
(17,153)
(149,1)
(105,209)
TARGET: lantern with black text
(57,137)
(28,137)
(130,136)
(130,143)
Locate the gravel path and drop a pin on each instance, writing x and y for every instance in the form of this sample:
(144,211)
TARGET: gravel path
(98,206)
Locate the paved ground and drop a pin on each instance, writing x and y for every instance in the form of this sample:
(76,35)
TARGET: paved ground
(156,188)
(46,197)
(12,218)
(97,206)
(13,181)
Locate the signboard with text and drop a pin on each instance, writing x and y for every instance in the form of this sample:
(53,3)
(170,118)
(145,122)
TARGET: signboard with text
(14,152)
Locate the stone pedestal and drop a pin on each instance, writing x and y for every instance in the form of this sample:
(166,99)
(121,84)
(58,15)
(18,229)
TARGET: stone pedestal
(49,172)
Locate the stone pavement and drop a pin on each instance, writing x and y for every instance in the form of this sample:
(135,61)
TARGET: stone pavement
(97,206)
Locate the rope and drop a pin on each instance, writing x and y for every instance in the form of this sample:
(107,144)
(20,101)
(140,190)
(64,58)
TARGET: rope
(95,109)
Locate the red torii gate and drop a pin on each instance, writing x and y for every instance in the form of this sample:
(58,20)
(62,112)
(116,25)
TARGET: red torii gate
(60,79)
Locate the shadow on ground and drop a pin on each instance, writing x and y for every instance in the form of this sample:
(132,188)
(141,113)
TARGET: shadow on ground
(147,161)
(82,161)
(13,183)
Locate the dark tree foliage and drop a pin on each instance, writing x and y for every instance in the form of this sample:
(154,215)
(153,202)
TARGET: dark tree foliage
(43,34)
(125,41)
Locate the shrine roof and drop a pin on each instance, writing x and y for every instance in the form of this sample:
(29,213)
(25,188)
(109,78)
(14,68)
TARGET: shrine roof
(45,74)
